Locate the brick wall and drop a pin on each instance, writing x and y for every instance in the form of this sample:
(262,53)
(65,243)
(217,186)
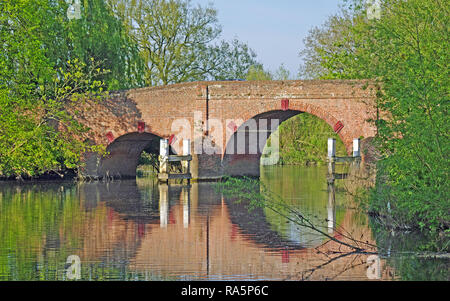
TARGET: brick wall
(162,111)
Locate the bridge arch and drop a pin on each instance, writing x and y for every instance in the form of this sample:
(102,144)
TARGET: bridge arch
(123,154)
(303,107)
(237,163)
(346,105)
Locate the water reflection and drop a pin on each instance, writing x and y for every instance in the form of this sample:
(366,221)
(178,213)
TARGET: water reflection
(140,230)
(331,208)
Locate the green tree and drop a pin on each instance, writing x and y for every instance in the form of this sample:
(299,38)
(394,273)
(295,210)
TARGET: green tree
(176,41)
(282,73)
(303,140)
(97,34)
(257,72)
(228,61)
(100,35)
(321,40)
(35,95)
(406,53)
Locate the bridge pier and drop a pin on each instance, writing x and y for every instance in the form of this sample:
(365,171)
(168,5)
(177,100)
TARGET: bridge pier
(211,167)
(206,167)
(242,165)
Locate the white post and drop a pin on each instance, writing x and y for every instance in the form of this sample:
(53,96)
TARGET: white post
(186,147)
(331,208)
(164,148)
(331,147)
(356,147)
(164,155)
(331,158)
(186,201)
(163,205)
(186,152)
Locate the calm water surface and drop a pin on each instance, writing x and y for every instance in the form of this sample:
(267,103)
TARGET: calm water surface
(139,230)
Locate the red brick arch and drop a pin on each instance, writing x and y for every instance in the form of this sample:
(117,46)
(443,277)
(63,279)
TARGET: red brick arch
(338,102)
(123,153)
(299,106)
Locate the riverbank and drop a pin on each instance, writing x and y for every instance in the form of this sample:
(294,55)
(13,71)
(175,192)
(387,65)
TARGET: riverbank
(47,176)
(361,185)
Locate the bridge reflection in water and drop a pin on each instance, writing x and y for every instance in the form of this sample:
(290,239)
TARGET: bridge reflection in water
(192,232)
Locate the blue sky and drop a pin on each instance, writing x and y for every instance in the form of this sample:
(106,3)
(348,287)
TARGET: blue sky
(275,29)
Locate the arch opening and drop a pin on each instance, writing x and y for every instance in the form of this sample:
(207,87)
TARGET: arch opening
(123,154)
(243,160)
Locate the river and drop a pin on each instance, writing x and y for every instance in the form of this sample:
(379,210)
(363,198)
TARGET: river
(142,230)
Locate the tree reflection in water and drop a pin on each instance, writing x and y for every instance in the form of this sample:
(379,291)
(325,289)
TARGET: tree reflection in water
(139,230)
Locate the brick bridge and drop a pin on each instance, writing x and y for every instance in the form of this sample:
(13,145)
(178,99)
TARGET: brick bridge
(215,115)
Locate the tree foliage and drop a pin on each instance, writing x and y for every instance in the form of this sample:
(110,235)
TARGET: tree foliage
(303,140)
(406,53)
(49,63)
(178,41)
(100,35)
(321,41)
(257,72)
(37,134)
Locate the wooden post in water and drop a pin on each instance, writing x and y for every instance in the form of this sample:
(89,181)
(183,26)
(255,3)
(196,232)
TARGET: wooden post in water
(163,204)
(186,165)
(331,207)
(164,156)
(331,158)
(356,147)
(356,153)
(331,147)
(165,160)
(186,204)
